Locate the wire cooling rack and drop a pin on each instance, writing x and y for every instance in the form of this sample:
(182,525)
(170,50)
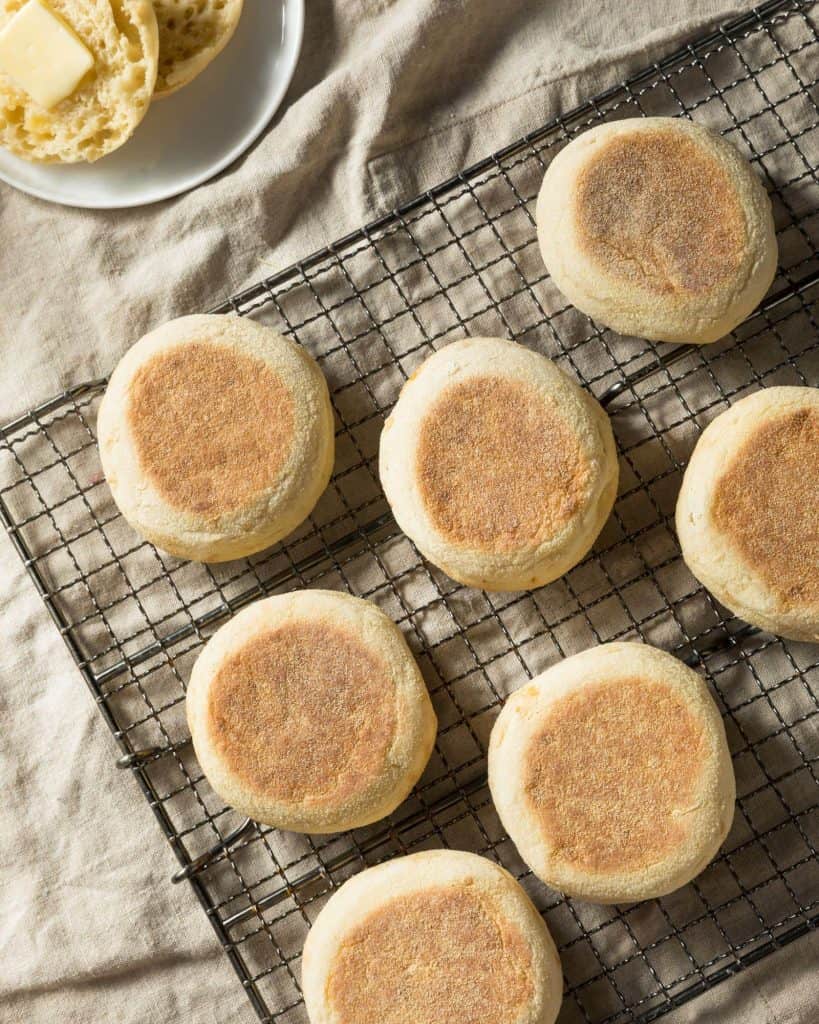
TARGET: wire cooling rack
(462,259)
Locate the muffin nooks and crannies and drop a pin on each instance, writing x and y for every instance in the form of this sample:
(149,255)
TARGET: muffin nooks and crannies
(611,774)
(432,937)
(216,436)
(658,228)
(748,510)
(308,712)
(499,468)
(191,34)
(111,98)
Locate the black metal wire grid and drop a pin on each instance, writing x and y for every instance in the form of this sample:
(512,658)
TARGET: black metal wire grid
(462,259)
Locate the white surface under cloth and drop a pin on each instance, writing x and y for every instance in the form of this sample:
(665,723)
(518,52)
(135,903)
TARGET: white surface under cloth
(389,98)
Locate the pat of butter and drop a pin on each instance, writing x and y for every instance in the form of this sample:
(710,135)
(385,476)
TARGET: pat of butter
(42,55)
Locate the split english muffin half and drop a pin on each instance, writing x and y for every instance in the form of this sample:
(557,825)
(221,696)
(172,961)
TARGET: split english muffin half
(108,102)
(192,33)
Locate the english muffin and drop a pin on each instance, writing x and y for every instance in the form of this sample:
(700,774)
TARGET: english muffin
(498,467)
(748,510)
(611,773)
(435,937)
(659,228)
(308,712)
(111,98)
(216,436)
(191,34)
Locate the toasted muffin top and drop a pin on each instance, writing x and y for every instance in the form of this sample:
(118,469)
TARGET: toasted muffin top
(767,502)
(658,209)
(304,713)
(212,427)
(441,954)
(498,466)
(611,771)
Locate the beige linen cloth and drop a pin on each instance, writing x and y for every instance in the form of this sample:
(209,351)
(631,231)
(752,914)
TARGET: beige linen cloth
(388,98)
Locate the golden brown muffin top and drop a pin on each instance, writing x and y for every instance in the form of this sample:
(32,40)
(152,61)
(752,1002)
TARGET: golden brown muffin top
(212,427)
(655,208)
(611,772)
(498,466)
(767,503)
(305,712)
(443,954)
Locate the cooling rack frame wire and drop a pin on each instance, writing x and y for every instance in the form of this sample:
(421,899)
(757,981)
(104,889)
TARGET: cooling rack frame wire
(461,258)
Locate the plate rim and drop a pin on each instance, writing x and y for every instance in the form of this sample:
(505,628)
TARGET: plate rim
(294,12)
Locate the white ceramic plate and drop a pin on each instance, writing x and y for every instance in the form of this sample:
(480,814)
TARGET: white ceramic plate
(193,134)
